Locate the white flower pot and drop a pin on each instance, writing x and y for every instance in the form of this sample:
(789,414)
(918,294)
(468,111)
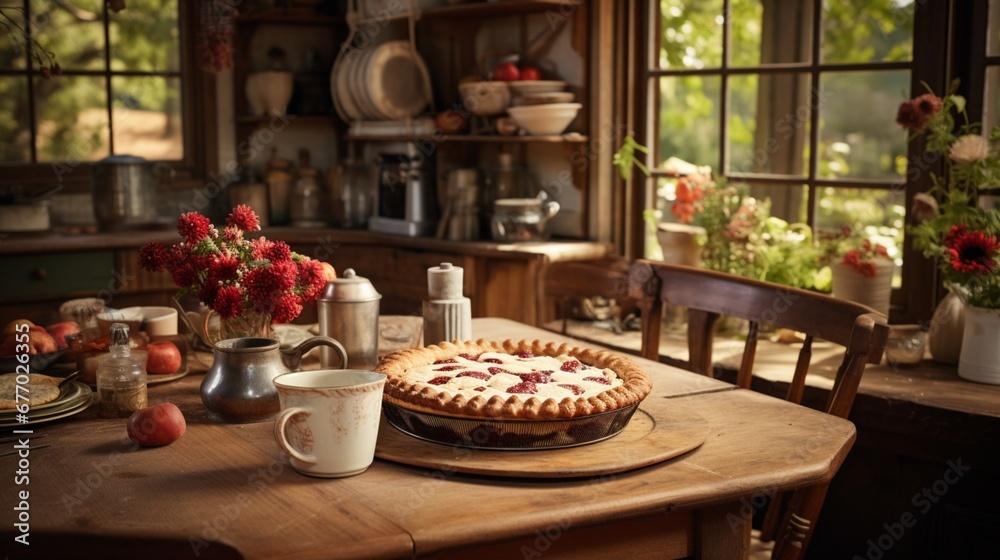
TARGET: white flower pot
(269,92)
(873,291)
(980,358)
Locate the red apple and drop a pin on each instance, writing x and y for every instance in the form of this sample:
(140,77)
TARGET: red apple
(156,425)
(37,342)
(164,357)
(531,73)
(506,72)
(58,331)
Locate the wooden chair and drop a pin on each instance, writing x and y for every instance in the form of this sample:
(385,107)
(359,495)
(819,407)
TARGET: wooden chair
(706,294)
(571,281)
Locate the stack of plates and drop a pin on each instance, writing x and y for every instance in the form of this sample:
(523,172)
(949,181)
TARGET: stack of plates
(387,82)
(74,397)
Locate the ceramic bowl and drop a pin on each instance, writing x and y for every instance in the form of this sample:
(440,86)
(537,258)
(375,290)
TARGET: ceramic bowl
(544,98)
(529,87)
(544,120)
(485,99)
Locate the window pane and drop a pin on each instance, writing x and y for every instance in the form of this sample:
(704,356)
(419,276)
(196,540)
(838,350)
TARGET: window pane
(688,123)
(867,30)
(145,37)
(146,117)
(879,213)
(760,32)
(991,111)
(769,124)
(12,42)
(993,39)
(691,34)
(859,137)
(73,31)
(72,118)
(15,135)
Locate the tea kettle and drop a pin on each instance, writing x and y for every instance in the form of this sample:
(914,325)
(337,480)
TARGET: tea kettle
(123,189)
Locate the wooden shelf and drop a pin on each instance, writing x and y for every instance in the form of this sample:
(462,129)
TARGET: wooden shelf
(480,10)
(485,138)
(282,17)
(300,119)
(500,8)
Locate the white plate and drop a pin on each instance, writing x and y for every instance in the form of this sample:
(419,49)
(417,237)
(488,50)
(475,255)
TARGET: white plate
(397,81)
(156,379)
(75,398)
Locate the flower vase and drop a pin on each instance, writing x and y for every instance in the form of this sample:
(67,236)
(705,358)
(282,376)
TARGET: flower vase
(873,291)
(247,325)
(947,324)
(980,357)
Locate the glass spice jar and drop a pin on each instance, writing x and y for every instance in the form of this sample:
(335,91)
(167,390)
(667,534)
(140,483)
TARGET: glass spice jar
(121,378)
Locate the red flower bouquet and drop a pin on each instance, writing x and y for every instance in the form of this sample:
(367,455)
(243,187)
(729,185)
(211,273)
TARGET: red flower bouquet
(954,225)
(862,259)
(250,283)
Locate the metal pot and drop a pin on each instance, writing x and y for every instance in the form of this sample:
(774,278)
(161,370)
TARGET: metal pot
(124,191)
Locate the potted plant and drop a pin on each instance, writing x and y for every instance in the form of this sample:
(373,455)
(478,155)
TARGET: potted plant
(861,270)
(956,227)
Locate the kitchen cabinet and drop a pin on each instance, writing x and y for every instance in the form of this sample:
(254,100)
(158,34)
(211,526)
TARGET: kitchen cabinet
(502,280)
(309,41)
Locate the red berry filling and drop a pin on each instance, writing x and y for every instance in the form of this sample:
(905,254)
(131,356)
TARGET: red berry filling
(496,370)
(480,389)
(575,389)
(535,377)
(524,387)
(602,380)
(448,361)
(469,357)
(449,368)
(570,366)
(441,380)
(477,374)
(493,361)
(525,355)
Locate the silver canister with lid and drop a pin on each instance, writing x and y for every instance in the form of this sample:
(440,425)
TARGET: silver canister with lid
(348,311)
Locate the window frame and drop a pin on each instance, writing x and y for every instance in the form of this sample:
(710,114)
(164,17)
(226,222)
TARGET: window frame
(955,29)
(198,106)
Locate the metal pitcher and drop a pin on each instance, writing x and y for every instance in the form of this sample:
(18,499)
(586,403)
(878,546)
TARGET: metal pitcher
(123,190)
(348,311)
(239,386)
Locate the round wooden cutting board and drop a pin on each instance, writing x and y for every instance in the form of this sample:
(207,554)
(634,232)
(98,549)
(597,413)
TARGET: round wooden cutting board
(659,430)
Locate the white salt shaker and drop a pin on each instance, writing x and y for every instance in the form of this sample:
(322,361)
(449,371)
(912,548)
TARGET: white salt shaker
(447,314)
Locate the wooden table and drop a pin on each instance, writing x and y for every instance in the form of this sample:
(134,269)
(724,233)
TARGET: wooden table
(224,488)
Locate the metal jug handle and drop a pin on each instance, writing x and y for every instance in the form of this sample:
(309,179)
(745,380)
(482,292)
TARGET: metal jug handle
(292,357)
(550,208)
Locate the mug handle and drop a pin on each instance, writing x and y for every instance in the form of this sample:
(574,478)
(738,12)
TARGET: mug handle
(281,424)
(292,357)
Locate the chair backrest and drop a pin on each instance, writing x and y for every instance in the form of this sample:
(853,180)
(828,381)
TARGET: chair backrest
(707,295)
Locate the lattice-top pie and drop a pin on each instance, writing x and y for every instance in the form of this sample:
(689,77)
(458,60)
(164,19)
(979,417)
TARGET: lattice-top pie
(512,380)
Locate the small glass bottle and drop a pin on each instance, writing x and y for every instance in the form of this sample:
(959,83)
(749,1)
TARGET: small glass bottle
(121,378)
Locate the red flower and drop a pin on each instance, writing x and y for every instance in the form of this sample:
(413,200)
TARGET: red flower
(228,302)
(264,283)
(193,226)
(244,218)
(286,308)
(181,267)
(224,267)
(971,252)
(914,115)
(153,256)
(312,280)
(274,251)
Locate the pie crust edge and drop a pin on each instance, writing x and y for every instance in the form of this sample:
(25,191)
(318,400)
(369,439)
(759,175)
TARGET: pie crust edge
(636,383)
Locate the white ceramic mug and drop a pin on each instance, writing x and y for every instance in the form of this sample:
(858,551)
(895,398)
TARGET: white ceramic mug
(159,321)
(329,420)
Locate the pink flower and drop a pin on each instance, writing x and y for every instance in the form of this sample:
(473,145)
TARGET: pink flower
(244,218)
